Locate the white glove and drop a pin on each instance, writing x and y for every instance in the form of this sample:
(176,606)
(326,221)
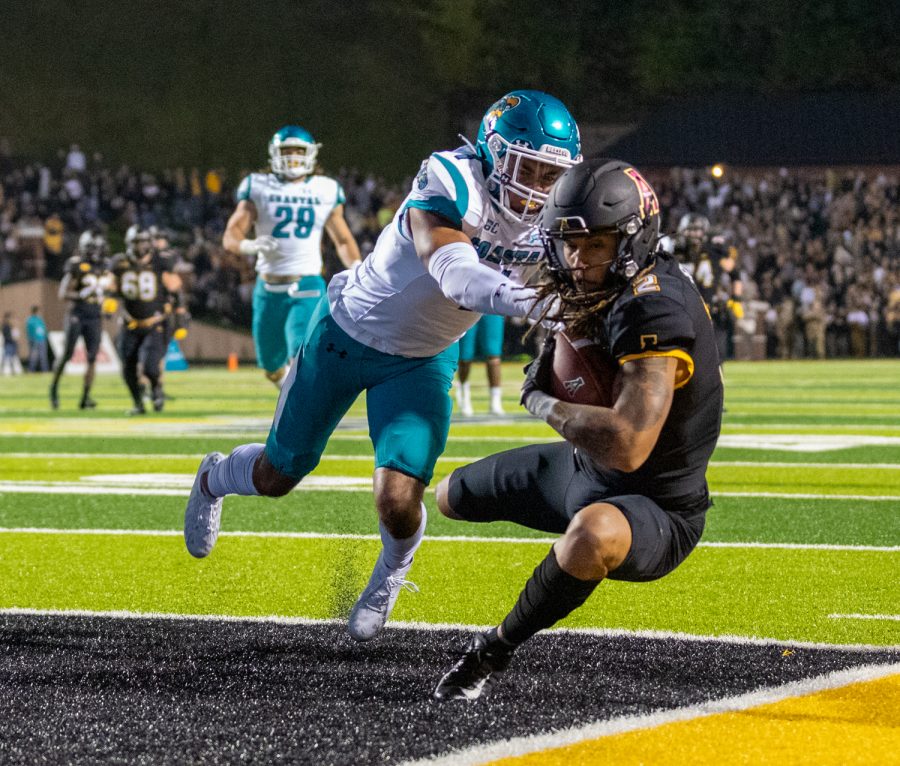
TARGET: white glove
(265,246)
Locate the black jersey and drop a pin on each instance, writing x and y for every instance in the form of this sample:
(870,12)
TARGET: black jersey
(662,314)
(712,264)
(84,286)
(140,284)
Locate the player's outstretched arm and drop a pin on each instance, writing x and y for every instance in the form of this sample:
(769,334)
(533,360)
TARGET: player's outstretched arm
(239,225)
(622,436)
(340,234)
(450,258)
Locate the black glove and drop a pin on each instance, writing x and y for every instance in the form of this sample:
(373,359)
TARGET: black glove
(537,372)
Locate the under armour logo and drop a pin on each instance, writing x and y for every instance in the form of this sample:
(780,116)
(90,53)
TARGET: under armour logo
(331,349)
(573,385)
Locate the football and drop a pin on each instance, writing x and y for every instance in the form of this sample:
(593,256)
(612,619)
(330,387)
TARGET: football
(582,372)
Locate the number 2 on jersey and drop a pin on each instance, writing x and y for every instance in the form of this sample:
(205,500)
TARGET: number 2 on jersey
(302,217)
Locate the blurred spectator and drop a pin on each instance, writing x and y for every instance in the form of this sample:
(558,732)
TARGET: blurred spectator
(36,332)
(10,364)
(75,159)
(812,246)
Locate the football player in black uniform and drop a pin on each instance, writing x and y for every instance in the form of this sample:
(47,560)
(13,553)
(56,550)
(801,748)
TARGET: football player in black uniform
(144,280)
(713,265)
(627,489)
(84,280)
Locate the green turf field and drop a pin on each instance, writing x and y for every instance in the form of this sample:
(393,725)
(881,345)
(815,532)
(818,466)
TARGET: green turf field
(803,542)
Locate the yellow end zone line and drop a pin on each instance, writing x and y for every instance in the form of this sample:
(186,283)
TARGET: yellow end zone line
(596,742)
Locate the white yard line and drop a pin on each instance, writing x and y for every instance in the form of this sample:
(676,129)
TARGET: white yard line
(429,538)
(439,626)
(893,617)
(84,488)
(519,746)
(443,458)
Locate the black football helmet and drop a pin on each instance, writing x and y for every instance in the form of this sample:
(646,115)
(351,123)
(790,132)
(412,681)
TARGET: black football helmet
(138,243)
(693,227)
(602,194)
(92,246)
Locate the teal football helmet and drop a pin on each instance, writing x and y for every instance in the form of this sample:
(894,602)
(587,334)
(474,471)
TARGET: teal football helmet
(293,164)
(526,125)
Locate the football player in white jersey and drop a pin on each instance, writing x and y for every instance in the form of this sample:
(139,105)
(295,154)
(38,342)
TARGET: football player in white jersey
(463,243)
(289,208)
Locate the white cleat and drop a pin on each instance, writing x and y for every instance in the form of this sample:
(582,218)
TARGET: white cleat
(497,409)
(371,610)
(466,409)
(203,514)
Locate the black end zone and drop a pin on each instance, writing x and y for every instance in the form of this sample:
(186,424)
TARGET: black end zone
(160,691)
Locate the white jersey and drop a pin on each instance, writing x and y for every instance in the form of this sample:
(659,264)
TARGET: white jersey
(294,213)
(390,302)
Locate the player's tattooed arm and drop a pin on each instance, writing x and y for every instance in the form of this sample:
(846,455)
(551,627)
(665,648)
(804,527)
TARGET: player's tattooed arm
(623,436)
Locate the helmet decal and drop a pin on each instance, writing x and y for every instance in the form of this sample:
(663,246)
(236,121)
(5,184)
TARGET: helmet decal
(501,107)
(649,204)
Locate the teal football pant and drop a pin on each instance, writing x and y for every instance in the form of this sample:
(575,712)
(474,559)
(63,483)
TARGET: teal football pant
(483,340)
(407,402)
(281,316)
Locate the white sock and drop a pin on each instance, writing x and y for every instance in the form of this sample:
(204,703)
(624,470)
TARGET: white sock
(234,474)
(464,394)
(399,553)
(496,397)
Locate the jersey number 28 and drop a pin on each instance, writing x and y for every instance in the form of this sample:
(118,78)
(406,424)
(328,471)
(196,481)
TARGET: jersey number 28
(302,217)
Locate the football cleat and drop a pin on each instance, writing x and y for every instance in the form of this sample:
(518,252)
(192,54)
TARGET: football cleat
(203,513)
(86,403)
(159,399)
(477,670)
(136,410)
(371,610)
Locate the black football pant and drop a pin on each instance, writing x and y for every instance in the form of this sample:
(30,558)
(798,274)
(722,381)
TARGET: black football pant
(147,344)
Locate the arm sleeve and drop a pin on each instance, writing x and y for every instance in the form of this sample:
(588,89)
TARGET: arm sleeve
(467,282)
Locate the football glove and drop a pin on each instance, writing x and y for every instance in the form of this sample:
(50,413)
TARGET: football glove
(182,320)
(265,245)
(736,307)
(109,306)
(537,372)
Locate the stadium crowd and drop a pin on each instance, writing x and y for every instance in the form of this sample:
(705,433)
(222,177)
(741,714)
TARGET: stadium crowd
(818,249)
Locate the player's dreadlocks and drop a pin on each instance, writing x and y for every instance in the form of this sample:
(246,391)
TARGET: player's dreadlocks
(580,312)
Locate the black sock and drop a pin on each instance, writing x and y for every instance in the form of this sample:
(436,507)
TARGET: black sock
(547,597)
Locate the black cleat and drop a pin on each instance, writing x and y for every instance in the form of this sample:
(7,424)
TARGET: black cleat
(54,398)
(159,399)
(477,671)
(87,403)
(136,411)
